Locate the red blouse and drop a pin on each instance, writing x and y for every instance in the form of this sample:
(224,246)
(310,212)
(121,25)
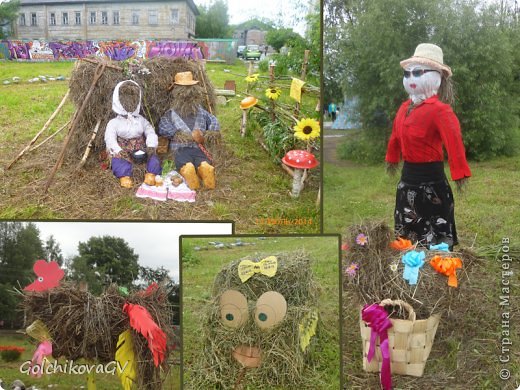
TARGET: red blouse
(419,137)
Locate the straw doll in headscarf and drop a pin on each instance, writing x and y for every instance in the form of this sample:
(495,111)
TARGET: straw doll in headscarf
(129,136)
(185,124)
(424,209)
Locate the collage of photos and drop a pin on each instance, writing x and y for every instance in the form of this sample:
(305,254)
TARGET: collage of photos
(231,195)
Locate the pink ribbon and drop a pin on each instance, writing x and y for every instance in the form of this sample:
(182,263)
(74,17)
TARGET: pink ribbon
(377,319)
(44,349)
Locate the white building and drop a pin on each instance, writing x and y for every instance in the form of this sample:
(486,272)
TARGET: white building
(106,20)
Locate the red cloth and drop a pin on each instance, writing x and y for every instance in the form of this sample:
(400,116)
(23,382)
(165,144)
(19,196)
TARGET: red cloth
(419,137)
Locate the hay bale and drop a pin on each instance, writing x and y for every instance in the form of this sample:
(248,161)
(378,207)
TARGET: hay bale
(375,280)
(86,326)
(283,362)
(156,100)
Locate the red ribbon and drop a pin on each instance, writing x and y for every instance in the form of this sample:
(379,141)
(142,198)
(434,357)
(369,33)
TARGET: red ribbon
(377,319)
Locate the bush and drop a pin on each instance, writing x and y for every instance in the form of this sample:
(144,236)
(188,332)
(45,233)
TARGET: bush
(10,353)
(367,146)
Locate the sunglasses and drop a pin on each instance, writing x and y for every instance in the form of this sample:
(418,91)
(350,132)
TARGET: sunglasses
(417,72)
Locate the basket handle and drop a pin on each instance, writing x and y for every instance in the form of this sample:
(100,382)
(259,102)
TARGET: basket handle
(403,304)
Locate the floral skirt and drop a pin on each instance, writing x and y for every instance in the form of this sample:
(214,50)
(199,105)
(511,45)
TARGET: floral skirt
(425,213)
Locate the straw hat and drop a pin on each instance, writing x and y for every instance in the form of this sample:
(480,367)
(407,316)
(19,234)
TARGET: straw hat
(185,78)
(430,55)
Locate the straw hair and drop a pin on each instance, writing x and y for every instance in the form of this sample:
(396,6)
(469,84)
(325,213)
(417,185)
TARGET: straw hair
(430,55)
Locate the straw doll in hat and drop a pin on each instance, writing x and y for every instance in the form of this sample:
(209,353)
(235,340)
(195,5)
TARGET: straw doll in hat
(424,124)
(185,124)
(129,136)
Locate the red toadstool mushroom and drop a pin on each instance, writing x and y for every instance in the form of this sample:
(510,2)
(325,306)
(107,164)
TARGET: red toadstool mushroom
(300,160)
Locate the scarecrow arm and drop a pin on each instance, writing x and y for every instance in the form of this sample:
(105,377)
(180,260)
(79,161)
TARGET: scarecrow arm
(449,129)
(212,123)
(111,139)
(393,150)
(151,136)
(167,127)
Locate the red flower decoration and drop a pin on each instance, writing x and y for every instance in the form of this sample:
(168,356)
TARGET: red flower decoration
(49,275)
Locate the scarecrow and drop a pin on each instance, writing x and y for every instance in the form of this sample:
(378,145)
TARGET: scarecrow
(129,137)
(185,124)
(424,209)
(261,325)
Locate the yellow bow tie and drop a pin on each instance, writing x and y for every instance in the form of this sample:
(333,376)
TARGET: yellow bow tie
(248,268)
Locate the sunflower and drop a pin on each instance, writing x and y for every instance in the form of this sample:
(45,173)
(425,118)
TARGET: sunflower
(252,78)
(273,93)
(306,129)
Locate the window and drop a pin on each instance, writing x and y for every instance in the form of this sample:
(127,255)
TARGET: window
(78,18)
(152,17)
(33,19)
(175,16)
(115,15)
(52,21)
(92,19)
(104,17)
(22,20)
(135,18)
(65,18)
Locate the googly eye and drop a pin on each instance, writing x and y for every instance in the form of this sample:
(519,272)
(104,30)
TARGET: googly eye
(233,308)
(40,278)
(271,308)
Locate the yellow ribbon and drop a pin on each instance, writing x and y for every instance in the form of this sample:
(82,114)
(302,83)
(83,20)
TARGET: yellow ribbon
(307,328)
(248,268)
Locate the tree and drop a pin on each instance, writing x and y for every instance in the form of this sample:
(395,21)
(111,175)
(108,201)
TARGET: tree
(105,260)
(365,41)
(8,13)
(213,21)
(53,250)
(277,38)
(20,247)
(161,275)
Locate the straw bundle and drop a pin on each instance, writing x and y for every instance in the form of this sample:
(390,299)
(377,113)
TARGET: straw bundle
(86,326)
(380,271)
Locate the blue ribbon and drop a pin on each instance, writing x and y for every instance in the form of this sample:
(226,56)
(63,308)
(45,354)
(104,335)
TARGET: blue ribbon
(412,261)
(440,247)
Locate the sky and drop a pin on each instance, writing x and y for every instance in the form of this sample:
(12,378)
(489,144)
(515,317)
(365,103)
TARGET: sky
(157,244)
(283,11)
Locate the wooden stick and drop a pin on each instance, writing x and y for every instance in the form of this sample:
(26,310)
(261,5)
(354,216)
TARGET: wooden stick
(98,62)
(45,127)
(50,137)
(89,146)
(271,78)
(99,71)
(243,124)
(201,73)
(303,76)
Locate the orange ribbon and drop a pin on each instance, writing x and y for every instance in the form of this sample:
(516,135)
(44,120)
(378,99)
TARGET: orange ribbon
(401,244)
(447,266)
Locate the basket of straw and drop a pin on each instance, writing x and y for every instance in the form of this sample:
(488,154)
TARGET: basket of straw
(409,340)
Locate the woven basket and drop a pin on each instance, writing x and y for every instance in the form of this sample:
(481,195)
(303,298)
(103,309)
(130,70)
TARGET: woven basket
(410,342)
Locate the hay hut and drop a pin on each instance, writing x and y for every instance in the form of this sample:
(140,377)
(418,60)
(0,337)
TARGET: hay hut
(83,325)
(154,76)
(283,359)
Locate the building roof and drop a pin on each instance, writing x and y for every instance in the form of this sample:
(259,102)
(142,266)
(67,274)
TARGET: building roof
(191,4)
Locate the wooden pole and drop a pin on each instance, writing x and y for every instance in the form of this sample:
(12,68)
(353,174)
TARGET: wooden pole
(99,71)
(45,127)
(243,124)
(271,78)
(89,146)
(201,75)
(303,77)
(50,137)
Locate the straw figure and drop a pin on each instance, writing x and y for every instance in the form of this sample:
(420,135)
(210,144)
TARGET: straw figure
(129,137)
(261,325)
(186,124)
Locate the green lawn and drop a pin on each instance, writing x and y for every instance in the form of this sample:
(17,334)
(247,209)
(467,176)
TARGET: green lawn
(199,268)
(467,346)
(251,189)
